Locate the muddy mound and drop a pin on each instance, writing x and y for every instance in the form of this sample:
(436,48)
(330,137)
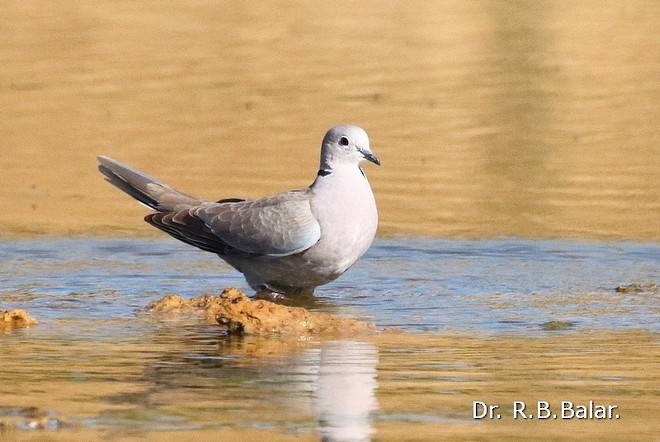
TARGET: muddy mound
(643,288)
(15,318)
(241,315)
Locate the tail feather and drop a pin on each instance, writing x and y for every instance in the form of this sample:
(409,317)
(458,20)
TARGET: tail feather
(147,190)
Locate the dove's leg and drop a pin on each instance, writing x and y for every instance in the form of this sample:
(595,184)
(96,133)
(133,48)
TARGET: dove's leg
(291,296)
(270,295)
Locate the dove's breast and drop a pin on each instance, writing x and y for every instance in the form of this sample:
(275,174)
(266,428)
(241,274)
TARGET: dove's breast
(346,211)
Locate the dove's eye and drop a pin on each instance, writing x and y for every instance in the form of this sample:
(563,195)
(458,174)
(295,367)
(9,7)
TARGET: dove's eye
(343,141)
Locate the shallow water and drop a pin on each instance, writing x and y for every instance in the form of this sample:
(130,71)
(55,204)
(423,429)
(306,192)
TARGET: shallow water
(510,320)
(423,284)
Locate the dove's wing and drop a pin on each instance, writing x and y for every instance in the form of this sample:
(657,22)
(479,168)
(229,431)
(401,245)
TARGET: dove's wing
(279,225)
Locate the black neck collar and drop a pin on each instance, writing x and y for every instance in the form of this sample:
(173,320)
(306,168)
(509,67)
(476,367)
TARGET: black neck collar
(323,172)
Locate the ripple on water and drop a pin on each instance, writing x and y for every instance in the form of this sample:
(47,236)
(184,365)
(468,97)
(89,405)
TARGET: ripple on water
(514,316)
(422,284)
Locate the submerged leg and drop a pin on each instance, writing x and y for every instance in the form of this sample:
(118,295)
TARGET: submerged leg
(270,295)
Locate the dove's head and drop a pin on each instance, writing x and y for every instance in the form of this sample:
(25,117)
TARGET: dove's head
(346,144)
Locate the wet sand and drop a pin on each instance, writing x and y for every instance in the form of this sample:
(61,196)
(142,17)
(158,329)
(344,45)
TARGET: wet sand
(490,120)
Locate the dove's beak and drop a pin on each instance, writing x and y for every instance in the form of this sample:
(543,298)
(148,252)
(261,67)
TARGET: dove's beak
(370,157)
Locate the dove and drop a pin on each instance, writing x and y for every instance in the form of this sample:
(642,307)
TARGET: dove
(285,244)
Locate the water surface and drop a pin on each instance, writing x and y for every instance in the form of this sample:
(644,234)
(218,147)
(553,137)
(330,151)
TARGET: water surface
(536,119)
(495,321)
(420,284)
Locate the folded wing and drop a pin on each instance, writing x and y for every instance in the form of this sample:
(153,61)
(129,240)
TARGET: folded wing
(279,225)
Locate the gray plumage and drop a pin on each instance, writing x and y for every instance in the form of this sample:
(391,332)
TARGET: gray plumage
(288,243)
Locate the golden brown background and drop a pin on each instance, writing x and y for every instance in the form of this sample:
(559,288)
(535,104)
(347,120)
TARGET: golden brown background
(491,118)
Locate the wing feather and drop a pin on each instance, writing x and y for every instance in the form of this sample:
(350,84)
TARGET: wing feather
(279,225)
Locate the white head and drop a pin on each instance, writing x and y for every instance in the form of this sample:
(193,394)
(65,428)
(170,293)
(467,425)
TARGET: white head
(346,144)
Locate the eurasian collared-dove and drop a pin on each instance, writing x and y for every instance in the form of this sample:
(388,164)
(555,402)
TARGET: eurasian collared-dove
(288,243)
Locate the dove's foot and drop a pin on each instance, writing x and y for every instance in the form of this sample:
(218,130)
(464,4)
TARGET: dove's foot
(272,296)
